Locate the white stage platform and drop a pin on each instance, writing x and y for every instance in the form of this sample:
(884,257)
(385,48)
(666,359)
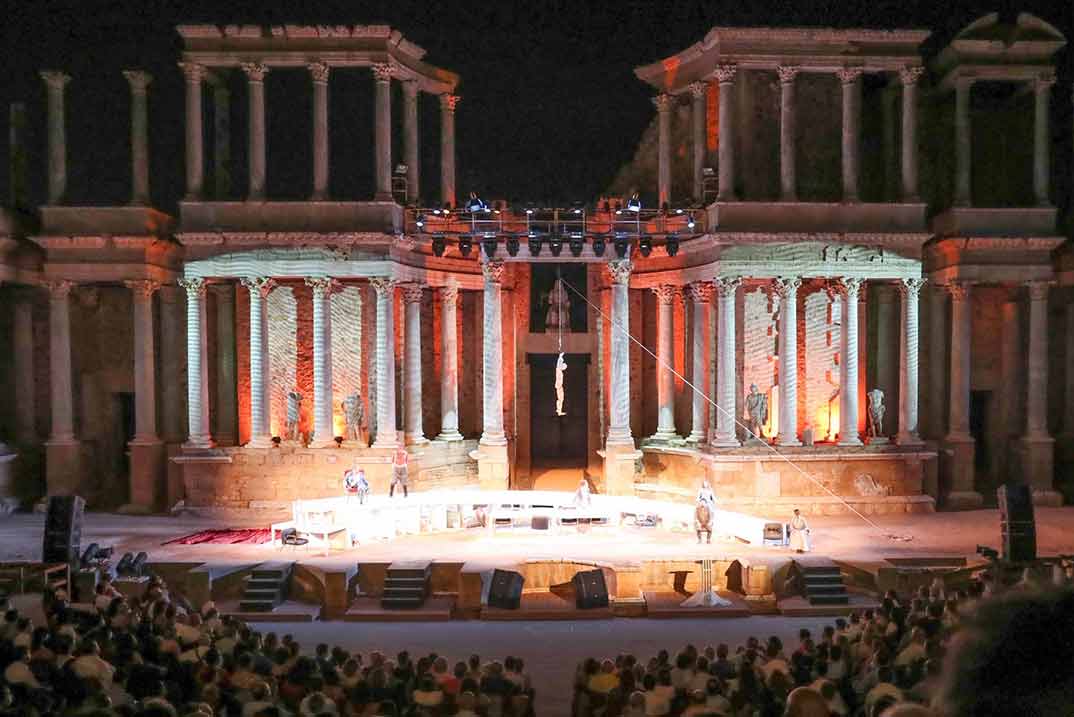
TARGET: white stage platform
(344,521)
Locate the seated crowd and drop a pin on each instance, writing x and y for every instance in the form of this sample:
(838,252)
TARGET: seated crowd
(157,657)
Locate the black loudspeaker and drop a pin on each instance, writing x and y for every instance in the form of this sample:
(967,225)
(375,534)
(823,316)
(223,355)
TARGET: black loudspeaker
(1017,522)
(63,529)
(589,589)
(539,522)
(506,589)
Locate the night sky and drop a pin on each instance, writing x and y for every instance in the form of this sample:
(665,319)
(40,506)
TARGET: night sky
(550,110)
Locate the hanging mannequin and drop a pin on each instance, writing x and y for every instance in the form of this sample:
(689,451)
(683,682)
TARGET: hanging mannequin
(561,366)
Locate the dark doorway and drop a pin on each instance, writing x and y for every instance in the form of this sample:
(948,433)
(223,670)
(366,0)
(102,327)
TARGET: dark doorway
(980,402)
(558,439)
(119,454)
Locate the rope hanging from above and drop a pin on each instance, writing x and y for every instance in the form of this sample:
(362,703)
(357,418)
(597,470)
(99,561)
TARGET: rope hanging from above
(561,364)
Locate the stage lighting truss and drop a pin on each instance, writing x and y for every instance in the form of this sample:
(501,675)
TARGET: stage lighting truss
(585,231)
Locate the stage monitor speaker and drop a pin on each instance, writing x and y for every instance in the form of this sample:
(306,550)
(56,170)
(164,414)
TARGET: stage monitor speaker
(506,589)
(1017,522)
(539,522)
(63,529)
(590,590)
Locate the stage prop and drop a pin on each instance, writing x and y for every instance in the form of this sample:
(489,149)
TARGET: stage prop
(63,529)
(505,591)
(1017,522)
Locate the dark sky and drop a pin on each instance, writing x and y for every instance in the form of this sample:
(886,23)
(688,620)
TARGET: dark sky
(551,108)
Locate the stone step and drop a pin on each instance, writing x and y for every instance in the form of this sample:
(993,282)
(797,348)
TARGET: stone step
(257,605)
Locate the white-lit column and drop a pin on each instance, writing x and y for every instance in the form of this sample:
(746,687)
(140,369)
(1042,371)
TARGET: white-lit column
(850,289)
(23,349)
(197,369)
(260,430)
(449,373)
(908,434)
(788,178)
(666,295)
(387,435)
(414,432)
(619,393)
(492,365)
(1037,362)
(448,103)
(701,295)
(787,288)
(60,381)
(382,126)
(193,74)
(698,94)
(323,431)
(726,374)
(1042,89)
(145,392)
(255,83)
(55,82)
(139,82)
(410,141)
(909,77)
(850,79)
(963,141)
(319,72)
(725,75)
(663,170)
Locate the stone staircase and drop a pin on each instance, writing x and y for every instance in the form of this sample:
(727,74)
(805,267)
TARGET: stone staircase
(406,585)
(266,587)
(822,582)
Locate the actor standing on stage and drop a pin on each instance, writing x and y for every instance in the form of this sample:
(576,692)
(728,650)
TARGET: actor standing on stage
(399,471)
(799,533)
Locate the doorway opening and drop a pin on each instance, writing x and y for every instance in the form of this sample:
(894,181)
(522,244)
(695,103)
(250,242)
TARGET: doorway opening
(558,444)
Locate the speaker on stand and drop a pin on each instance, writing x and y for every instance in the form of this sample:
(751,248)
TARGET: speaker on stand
(505,591)
(590,590)
(1017,522)
(62,540)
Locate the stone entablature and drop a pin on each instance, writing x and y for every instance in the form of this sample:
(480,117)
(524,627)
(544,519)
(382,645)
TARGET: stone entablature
(309,218)
(988,50)
(992,259)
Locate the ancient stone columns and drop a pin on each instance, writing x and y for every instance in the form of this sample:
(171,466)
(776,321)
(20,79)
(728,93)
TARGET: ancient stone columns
(619,393)
(146,447)
(449,375)
(197,386)
(414,433)
(23,340)
(665,381)
(1042,89)
(492,364)
(701,295)
(725,75)
(787,289)
(410,140)
(909,77)
(663,111)
(255,76)
(57,137)
(387,437)
(193,74)
(260,411)
(726,288)
(319,75)
(323,431)
(908,434)
(849,288)
(447,148)
(59,325)
(1038,445)
(698,91)
(850,78)
(963,141)
(787,174)
(139,82)
(382,78)
(959,442)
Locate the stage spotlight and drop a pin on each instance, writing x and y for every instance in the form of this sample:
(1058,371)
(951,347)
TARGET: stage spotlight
(576,244)
(679,210)
(690,223)
(665,209)
(622,247)
(419,221)
(476,204)
(633,204)
(671,246)
(446,209)
(488,244)
(645,246)
(556,246)
(512,245)
(535,245)
(465,244)
(576,208)
(599,245)
(438,246)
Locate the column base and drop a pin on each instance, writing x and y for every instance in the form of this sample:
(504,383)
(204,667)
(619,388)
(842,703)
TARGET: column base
(1047,498)
(450,437)
(416,439)
(492,439)
(908,439)
(853,440)
(956,463)
(719,441)
(260,442)
(147,476)
(493,466)
(620,438)
(781,441)
(323,444)
(383,197)
(619,470)
(696,437)
(663,437)
(963,500)
(1038,464)
(195,444)
(63,466)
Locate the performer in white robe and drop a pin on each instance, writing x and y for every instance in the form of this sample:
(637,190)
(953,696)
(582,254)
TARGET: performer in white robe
(705,495)
(799,533)
(581,496)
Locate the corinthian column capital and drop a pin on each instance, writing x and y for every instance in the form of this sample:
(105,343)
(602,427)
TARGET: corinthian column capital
(910,286)
(619,271)
(383,71)
(665,293)
(726,286)
(322,285)
(193,72)
(195,287)
(449,294)
(848,286)
(254,71)
(54,79)
(662,102)
(139,80)
(142,288)
(319,71)
(260,285)
(698,89)
(448,102)
(786,286)
(726,73)
(701,292)
(59,288)
(787,74)
(384,286)
(412,293)
(493,271)
(849,75)
(910,75)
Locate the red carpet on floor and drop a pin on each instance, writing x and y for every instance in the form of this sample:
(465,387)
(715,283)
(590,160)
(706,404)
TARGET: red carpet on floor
(226,536)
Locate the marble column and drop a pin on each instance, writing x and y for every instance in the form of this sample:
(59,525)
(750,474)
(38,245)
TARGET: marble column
(849,289)
(139,82)
(698,94)
(701,295)
(255,83)
(492,364)
(726,374)
(1038,446)
(23,349)
(959,443)
(225,413)
(619,271)
(197,370)
(963,141)
(448,103)
(449,372)
(323,430)
(412,295)
(55,83)
(410,141)
(1042,166)
(193,74)
(663,105)
(850,79)
(909,390)
(788,181)
(725,75)
(260,426)
(145,403)
(382,121)
(319,72)
(787,289)
(666,296)
(387,435)
(909,77)
(60,379)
